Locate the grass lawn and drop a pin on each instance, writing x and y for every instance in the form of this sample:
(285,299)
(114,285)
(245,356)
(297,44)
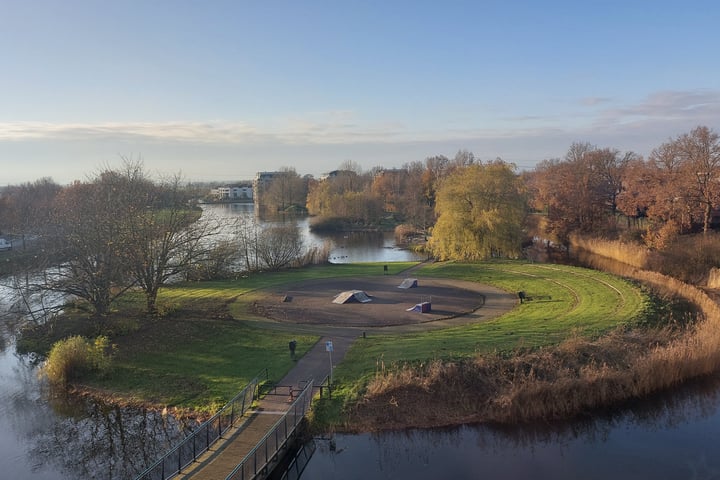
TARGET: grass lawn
(565,301)
(197,364)
(194,359)
(196,356)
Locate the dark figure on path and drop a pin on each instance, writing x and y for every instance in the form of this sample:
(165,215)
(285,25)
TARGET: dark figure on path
(292,346)
(521,296)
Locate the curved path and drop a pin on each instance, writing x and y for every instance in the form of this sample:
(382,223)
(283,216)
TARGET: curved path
(317,363)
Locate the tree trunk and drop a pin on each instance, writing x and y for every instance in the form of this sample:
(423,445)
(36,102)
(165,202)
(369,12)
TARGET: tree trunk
(151,301)
(708,218)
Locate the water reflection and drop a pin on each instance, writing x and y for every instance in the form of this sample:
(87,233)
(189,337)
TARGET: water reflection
(101,441)
(351,247)
(671,436)
(70,438)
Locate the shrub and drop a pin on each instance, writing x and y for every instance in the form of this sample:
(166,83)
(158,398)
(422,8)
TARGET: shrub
(72,357)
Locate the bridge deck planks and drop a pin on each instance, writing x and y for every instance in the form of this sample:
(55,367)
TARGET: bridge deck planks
(220,461)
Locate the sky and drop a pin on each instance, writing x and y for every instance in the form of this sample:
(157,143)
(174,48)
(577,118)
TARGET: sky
(219,90)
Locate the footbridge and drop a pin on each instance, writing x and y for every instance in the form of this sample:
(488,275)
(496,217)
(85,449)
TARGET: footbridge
(244,440)
(249,435)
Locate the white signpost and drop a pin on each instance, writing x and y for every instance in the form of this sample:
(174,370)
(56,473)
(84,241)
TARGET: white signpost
(329,349)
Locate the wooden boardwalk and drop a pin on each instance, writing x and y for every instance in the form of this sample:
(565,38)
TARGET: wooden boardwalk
(226,454)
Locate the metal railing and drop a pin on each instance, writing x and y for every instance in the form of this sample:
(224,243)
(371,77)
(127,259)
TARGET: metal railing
(267,449)
(200,440)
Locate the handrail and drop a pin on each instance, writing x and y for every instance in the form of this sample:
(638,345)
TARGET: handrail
(200,440)
(275,439)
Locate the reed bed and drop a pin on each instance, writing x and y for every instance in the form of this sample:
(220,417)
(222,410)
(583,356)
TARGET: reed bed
(571,379)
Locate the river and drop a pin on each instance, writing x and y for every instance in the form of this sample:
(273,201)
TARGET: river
(671,436)
(351,247)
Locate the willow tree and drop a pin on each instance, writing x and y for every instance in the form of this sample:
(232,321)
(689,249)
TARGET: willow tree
(480,208)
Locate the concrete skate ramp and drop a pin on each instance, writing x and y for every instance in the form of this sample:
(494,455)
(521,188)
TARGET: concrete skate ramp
(409,283)
(350,296)
(423,307)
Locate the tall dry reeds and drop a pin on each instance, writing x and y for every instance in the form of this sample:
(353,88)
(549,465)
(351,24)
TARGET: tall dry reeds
(631,254)
(572,378)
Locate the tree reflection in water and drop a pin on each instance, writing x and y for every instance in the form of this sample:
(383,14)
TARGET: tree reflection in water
(89,439)
(669,436)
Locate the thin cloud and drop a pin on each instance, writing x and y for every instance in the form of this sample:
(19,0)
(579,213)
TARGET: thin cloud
(697,106)
(173,131)
(593,101)
(656,117)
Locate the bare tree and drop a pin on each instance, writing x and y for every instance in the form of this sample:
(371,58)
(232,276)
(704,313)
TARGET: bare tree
(222,260)
(166,237)
(699,151)
(279,246)
(246,233)
(120,230)
(25,209)
(89,234)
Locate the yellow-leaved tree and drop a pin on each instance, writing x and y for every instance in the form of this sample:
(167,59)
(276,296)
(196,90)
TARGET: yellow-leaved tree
(481,208)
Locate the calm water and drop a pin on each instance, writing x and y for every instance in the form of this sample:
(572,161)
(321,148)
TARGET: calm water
(672,436)
(57,439)
(344,247)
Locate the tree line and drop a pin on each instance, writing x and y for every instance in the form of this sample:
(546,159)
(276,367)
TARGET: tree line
(472,209)
(676,190)
(120,230)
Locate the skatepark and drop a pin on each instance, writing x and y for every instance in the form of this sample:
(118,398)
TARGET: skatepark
(380,301)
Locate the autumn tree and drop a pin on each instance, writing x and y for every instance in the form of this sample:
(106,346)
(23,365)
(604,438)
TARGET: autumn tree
(580,193)
(435,170)
(414,205)
(638,183)
(401,191)
(678,188)
(480,210)
(286,191)
(699,155)
(345,195)
(610,166)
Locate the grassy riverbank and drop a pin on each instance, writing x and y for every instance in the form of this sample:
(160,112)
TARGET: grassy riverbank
(565,303)
(209,343)
(205,346)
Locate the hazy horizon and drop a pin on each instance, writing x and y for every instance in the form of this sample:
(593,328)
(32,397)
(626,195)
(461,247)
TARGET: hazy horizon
(220,90)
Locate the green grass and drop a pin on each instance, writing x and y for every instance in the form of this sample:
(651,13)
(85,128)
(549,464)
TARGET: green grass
(581,301)
(190,360)
(200,362)
(196,364)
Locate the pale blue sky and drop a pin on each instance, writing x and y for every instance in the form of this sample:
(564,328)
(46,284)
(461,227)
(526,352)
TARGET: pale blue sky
(219,90)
